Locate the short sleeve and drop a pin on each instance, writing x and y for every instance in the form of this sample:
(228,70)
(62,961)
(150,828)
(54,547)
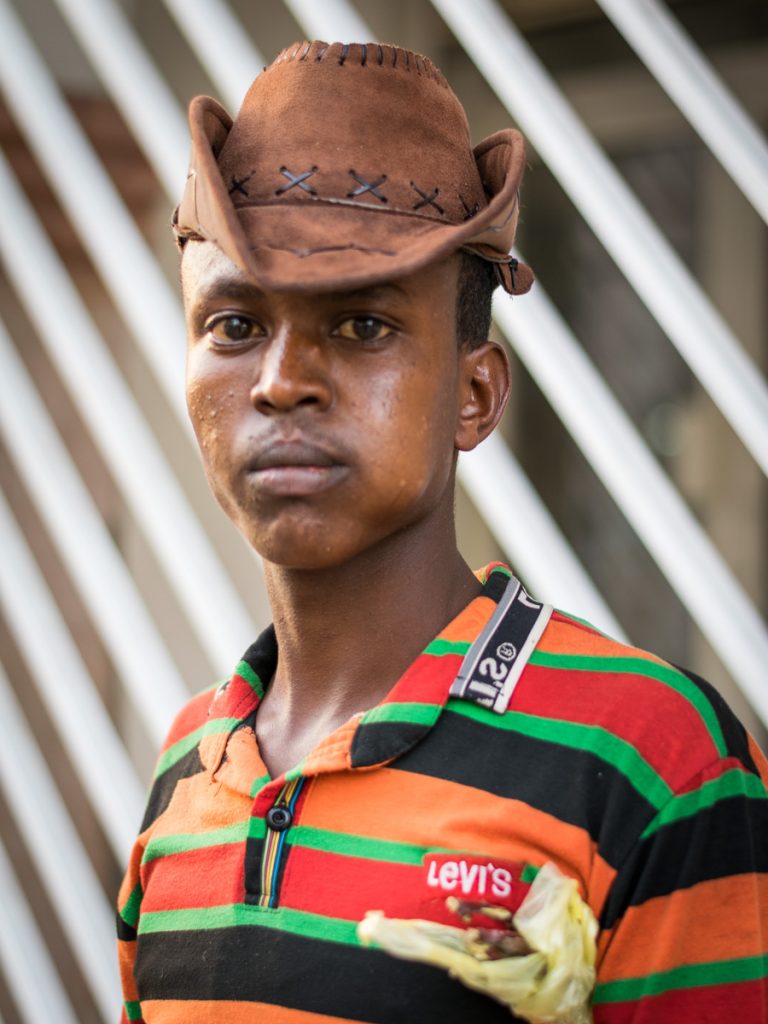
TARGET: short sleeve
(684,933)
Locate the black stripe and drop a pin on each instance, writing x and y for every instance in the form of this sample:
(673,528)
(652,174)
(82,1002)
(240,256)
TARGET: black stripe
(261,656)
(265,965)
(729,838)
(734,733)
(124,931)
(381,741)
(164,785)
(253,852)
(575,786)
(495,586)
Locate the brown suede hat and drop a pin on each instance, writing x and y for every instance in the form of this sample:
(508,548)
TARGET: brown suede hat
(349,164)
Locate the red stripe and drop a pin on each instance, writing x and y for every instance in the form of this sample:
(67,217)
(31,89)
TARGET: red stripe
(196,878)
(427,681)
(346,887)
(743,1003)
(592,698)
(238,700)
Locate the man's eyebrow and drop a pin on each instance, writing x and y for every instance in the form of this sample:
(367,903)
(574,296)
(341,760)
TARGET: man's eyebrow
(223,288)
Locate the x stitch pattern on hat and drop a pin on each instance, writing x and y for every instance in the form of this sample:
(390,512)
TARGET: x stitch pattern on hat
(348,164)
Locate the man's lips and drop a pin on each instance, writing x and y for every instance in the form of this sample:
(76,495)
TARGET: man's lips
(295,468)
(292,453)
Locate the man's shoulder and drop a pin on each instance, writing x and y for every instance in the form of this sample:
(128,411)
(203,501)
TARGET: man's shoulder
(629,703)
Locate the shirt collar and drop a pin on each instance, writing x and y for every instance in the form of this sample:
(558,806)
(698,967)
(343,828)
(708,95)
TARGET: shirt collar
(404,716)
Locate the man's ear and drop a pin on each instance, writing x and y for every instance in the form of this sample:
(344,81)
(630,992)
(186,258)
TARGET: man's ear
(484,383)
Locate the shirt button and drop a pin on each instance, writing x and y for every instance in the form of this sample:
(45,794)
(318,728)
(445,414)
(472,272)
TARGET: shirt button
(279,818)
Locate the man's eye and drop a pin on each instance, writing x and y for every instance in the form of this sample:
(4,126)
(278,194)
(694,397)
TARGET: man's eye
(364,328)
(234,330)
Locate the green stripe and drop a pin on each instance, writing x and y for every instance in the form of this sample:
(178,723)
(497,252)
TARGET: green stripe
(724,972)
(260,783)
(612,749)
(529,872)
(183,842)
(349,845)
(440,647)
(502,570)
(183,746)
(132,908)
(257,828)
(731,783)
(245,672)
(133,1010)
(284,919)
(640,666)
(408,711)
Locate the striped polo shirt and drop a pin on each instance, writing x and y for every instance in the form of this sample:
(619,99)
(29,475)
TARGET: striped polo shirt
(519,736)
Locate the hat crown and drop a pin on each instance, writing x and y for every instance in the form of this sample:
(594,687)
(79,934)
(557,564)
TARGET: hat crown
(369,124)
(349,164)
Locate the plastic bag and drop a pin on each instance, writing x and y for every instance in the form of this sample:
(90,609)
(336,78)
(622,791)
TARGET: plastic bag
(550,985)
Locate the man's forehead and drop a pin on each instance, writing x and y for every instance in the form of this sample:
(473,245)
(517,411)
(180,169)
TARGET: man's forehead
(207,274)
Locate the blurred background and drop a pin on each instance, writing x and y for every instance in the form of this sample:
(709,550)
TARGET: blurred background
(628,482)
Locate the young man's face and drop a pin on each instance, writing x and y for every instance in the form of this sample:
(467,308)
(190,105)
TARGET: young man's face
(327,422)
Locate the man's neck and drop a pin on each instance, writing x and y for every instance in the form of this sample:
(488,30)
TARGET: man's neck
(346,634)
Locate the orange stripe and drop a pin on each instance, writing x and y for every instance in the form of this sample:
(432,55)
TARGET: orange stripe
(126,955)
(185,812)
(371,804)
(565,637)
(470,622)
(181,1011)
(761,762)
(680,929)
(243,763)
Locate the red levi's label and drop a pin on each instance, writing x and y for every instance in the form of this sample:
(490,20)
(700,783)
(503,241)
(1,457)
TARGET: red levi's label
(472,879)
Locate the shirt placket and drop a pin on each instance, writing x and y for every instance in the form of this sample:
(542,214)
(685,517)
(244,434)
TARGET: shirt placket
(273,814)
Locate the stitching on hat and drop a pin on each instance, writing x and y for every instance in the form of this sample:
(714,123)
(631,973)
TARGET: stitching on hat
(427,199)
(296,179)
(347,52)
(469,213)
(238,184)
(367,186)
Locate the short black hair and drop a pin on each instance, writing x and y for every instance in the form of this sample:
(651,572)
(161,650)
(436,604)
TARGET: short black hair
(477,280)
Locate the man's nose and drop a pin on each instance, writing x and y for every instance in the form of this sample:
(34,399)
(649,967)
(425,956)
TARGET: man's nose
(292,371)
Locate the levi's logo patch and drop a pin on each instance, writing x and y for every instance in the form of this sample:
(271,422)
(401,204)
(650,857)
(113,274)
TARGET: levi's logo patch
(474,879)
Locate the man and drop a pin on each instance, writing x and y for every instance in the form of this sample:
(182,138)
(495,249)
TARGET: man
(407,737)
